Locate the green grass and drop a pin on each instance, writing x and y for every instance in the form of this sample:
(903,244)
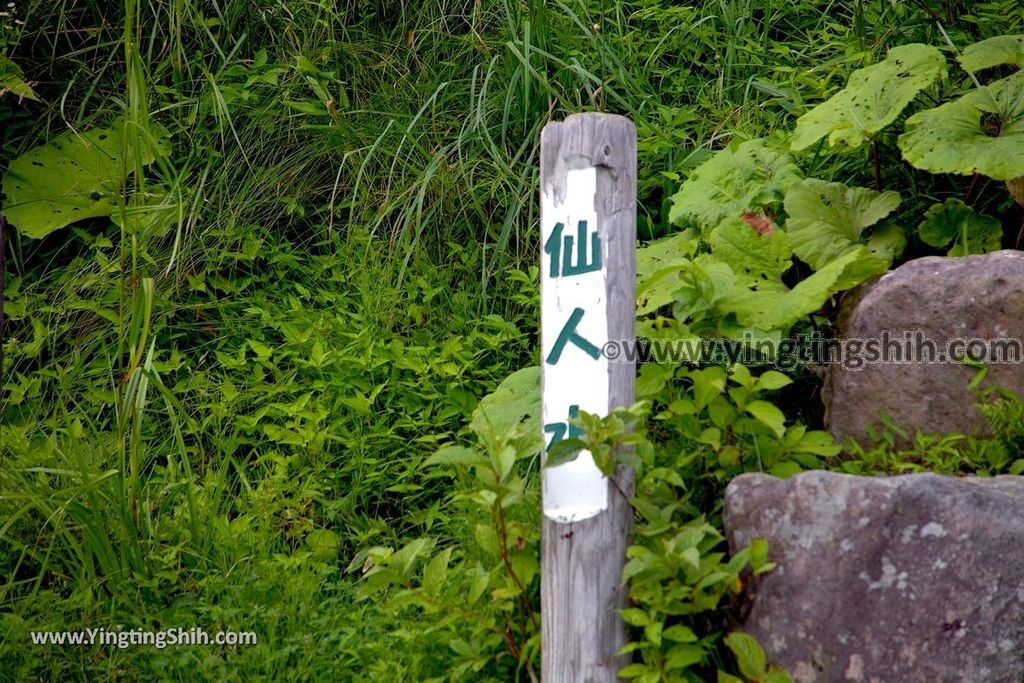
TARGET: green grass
(339,245)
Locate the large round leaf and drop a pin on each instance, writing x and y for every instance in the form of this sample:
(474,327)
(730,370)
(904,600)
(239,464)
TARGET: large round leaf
(76,176)
(750,253)
(973,233)
(994,52)
(981,132)
(746,177)
(872,99)
(826,220)
(851,268)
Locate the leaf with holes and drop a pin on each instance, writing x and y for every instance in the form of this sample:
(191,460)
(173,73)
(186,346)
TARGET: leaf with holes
(887,242)
(825,220)
(995,51)
(872,99)
(76,176)
(981,132)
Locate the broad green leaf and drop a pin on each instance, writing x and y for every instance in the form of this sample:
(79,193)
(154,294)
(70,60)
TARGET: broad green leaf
(749,655)
(707,384)
(777,675)
(376,580)
(745,251)
(722,414)
(818,443)
(981,132)
(324,543)
(436,571)
(666,251)
(711,277)
(692,557)
(262,351)
(404,559)
(504,461)
(658,267)
(954,221)
(994,52)
(652,633)
(564,451)
(825,220)
(516,400)
(656,290)
(487,538)
(76,176)
(772,380)
(758,553)
(887,241)
(811,293)
(635,617)
(455,455)
(637,670)
(703,281)
(712,436)
(652,378)
(680,634)
(750,176)
(525,563)
(767,414)
(872,99)
(749,305)
(785,469)
(683,656)
(12,81)
(740,374)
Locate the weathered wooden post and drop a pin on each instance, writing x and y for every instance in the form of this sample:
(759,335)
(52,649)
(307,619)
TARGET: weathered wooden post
(588,298)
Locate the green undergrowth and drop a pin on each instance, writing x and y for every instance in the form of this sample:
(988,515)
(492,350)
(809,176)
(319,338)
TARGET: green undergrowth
(266,259)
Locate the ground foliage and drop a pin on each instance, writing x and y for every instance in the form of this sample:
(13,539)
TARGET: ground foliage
(291,246)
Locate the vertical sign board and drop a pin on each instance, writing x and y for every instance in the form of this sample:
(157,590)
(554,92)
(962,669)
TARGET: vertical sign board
(588,299)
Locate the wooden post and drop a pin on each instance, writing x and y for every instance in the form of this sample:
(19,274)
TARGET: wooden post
(588,299)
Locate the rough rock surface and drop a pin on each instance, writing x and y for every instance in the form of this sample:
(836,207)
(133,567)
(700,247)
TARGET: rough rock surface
(942,298)
(911,579)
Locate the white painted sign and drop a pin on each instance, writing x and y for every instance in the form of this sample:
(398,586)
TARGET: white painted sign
(574,327)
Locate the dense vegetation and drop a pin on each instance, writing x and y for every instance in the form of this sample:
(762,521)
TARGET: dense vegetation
(266,258)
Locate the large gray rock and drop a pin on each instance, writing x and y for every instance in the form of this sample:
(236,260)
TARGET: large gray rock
(910,579)
(942,298)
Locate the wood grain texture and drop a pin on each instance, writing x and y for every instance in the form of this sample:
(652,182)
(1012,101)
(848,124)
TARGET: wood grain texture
(581,562)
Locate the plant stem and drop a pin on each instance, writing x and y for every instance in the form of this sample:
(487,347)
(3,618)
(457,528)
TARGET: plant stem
(503,532)
(499,518)
(970,188)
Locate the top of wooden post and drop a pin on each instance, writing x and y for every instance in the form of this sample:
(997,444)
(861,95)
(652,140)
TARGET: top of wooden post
(591,139)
